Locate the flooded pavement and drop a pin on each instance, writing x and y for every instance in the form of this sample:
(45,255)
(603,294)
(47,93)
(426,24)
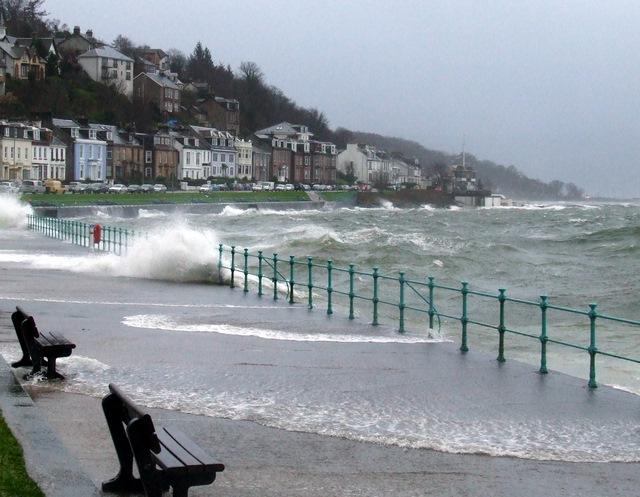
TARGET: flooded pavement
(278,411)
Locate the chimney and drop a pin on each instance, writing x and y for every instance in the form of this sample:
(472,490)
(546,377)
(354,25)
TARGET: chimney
(89,33)
(76,30)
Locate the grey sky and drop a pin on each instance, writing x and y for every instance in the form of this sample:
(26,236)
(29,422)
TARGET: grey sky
(550,87)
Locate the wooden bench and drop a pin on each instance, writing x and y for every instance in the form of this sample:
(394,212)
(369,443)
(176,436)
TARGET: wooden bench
(165,457)
(39,348)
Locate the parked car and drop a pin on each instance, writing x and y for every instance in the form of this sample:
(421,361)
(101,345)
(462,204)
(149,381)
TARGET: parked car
(289,187)
(279,188)
(76,187)
(133,189)
(146,188)
(32,186)
(118,188)
(257,187)
(159,188)
(97,188)
(53,186)
(206,188)
(9,187)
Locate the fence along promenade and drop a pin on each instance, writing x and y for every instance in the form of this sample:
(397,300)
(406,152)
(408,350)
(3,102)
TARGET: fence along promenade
(392,299)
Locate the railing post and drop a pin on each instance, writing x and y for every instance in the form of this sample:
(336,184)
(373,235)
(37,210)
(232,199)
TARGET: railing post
(432,310)
(329,287)
(593,350)
(275,277)
(351,292)
(543,335)
(220,263)
(260,275)
(291,281)
(401,304)
(375,298)
(233,265)
(120,230)
(310,281)
(464,319)
(246,270)
(501,328)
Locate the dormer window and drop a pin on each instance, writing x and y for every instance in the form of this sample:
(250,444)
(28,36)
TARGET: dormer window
(92,134)
(74,132)
(109,135)
(196,142)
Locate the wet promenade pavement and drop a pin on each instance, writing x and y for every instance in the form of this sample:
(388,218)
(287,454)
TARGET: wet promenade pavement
(69,452)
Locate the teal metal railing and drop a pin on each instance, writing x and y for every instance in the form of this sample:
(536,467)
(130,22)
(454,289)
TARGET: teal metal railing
(111,239)
(410,303)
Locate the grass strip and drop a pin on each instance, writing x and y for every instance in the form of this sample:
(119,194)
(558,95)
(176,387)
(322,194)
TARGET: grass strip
(14,479)
(82,199)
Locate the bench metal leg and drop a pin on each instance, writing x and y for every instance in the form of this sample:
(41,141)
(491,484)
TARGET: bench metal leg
(52,374)
(17,318)
(139,431)
(124,480)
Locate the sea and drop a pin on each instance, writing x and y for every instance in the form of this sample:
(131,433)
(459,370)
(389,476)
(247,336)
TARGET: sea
(576,254)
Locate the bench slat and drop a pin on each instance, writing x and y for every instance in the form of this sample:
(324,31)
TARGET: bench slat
(181,456)
(195,451)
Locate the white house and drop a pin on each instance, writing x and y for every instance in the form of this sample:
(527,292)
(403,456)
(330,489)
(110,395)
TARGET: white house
(107,65)
(364,162)
(244,166)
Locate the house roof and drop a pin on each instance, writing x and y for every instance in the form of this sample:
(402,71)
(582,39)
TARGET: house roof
(106,52)
(159,79)
(65,123)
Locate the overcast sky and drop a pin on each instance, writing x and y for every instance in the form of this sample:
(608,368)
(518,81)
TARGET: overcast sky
(549,86)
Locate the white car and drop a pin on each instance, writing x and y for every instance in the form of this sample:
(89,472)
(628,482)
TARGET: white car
(159,188)
(118,188)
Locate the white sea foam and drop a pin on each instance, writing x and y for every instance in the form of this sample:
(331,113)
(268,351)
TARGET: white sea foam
(177,253)
(13,213)
(147,213)
(169,323)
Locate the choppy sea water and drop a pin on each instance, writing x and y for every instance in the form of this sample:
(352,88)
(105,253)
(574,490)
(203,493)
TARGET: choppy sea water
(573,253)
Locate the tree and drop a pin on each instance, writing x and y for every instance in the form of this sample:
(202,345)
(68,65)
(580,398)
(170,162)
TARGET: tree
(177,61)
(199,64)
(573,192)
(252,75)
(440,170)
(125,46)
(25,18)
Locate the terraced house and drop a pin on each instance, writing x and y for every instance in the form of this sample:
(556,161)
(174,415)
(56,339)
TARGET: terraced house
(296,157)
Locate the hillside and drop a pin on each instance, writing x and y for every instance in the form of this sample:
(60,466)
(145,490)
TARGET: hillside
(68,93)
(508,181)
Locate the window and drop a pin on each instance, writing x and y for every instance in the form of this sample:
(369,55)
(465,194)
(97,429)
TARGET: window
(230,158)
(6,131)
(147,158)
(92,134)
(214,157)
